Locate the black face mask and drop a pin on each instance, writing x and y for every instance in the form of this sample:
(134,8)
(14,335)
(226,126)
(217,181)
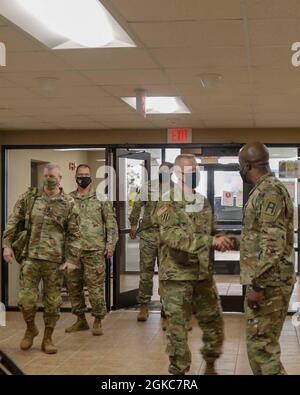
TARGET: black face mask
(192,179)
(83,182)
(243,173)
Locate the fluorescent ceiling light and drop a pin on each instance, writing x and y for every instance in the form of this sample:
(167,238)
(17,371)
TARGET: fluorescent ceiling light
(161,105)
(62,24)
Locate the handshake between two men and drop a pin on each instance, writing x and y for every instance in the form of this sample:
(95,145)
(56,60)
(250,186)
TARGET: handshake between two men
(224,243)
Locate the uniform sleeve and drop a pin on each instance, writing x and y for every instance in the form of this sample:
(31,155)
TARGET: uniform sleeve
(272,239)
(73,237)
(177,235)
(136,212)
(213,217)
(15,220)
(112,233)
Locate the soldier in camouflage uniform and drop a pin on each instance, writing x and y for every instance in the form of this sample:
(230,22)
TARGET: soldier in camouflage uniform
(99,232)
(54,240)
(186,274)
(267,259)
(149,235)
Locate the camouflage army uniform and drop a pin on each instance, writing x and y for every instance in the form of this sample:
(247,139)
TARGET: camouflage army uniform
(186,279)
(267,262)
(99,232)
(149,237)
(54,239)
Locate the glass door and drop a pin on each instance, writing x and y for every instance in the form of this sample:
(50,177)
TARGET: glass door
(132,171)
(227,195)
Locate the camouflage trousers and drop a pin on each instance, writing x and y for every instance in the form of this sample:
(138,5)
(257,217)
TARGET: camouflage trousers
(148,255)
(263,330)
(92,274)
(179,299)
(32,272)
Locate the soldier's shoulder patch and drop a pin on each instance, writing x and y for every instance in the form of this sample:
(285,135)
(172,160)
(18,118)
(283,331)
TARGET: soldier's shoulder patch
(163,213)
(162,210)
(272,205)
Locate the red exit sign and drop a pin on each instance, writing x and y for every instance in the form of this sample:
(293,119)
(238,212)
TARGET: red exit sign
(179,135)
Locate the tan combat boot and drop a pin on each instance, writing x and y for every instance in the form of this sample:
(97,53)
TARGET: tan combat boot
(210,369)
(47,345)
(80,325)
(97,327)
(143,313)
(30,334)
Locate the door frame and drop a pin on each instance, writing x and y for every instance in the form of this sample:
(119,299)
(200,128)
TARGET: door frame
(230,303)
(127,298)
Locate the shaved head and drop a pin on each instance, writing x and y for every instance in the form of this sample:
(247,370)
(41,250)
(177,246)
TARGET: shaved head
(254,161)
(254,153)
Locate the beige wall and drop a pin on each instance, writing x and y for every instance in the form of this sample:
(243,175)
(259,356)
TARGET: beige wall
(19,165)
(148,136)
(95,160)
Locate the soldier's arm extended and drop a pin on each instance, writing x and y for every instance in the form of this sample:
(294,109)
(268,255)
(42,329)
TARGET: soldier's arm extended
(136,211)
(109,217)
(177,235)
(272,237)
(73,236)
(14,221)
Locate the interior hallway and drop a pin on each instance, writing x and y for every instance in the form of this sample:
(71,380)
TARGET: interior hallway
(129,347)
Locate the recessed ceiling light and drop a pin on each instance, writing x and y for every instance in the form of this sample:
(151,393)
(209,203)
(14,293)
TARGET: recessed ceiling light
(161,105)
(62,24)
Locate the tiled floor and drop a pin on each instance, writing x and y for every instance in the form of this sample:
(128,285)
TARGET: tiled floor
(129,347)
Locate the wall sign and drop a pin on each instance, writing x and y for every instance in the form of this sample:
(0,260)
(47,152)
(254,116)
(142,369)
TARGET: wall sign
(179,136)
(227,199)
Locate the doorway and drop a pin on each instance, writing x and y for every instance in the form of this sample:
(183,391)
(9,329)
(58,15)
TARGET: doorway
(220,182)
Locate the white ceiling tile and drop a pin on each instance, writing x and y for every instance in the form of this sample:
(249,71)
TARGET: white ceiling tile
(18,93)
(198,102)
(192,75)
(271,56)
(170,10)
(190,34)
(132,117)
(222,89)
(126,77)
(265,9)
(278,32)
(3,21)
(32,79)
(152,90)
(80,102)
(5,83)
(116,124)
(107,58)
(73,92)
(229,124)
(201,57)
(32,61)
(187,38)
(227,117)
(18,40)
(91,125)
